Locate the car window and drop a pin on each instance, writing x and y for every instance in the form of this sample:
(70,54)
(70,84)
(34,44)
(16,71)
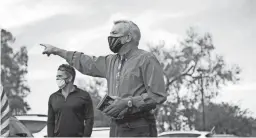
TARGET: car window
(181,135)
(34,126)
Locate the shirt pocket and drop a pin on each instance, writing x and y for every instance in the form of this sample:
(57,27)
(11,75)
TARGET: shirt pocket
(131,74)
(131,79)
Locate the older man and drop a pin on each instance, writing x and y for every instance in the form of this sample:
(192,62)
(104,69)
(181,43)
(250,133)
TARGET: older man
(134,76)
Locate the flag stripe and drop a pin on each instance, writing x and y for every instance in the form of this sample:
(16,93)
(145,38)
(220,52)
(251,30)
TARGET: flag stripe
(5,124)
(6,129)
(2,94)
(4,106)
(4,114)
(6,134)
(6,111)
(3,101)
(5,118)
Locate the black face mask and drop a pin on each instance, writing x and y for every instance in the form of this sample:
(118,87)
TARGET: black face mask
(114,43)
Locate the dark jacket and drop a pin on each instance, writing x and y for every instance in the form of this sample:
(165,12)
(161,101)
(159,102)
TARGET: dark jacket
(70,117)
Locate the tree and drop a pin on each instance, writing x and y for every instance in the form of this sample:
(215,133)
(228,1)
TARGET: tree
(184,66)
(13,73)
(227,118)
(94,87)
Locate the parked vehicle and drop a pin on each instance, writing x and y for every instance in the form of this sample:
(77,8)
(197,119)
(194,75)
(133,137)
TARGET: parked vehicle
(17,129)
(36,123)
(100,132)
(195,134)
(223,135)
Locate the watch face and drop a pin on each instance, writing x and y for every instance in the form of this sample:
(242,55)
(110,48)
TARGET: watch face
(129,103)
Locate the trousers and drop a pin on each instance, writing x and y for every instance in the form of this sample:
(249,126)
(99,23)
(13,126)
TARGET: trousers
(130,127)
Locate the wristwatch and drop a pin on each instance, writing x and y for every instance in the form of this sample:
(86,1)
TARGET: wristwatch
(129,104)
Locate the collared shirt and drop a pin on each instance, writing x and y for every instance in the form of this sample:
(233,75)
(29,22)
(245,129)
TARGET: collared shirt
(141,76)
(67,116)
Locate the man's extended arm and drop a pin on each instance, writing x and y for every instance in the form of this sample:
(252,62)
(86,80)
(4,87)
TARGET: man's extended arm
(153,77)
(50,120)
(89,65)
(89,117)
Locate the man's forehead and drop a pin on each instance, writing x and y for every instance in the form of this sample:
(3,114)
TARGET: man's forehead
(120,27)
(60,72)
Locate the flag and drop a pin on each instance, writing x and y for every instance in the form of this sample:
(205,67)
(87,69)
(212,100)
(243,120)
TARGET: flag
(4,114)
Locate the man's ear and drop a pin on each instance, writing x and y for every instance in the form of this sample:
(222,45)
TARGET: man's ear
(129,38)
(70,78)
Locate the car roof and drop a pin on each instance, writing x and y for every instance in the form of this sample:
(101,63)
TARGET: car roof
(32,117)
(184,132)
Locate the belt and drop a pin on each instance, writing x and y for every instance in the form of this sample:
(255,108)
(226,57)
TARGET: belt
(135,116)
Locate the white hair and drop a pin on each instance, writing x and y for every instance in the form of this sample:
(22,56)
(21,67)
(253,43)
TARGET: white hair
(132,27)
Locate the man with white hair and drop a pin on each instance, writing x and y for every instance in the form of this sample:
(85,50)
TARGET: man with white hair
(135,78)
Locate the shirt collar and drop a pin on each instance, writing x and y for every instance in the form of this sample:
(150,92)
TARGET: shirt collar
(71,91)
(130,53)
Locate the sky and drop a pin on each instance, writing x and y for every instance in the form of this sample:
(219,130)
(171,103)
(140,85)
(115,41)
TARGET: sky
(84,25)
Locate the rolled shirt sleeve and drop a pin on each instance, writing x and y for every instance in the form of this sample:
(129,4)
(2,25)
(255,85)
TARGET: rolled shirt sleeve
(88,65)
(153,77)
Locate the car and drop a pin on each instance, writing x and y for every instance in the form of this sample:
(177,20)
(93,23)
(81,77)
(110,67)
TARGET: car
(196,134)
(100,132)
(17,129)
(96,132)
(36,123)
(42,133)
(223,135)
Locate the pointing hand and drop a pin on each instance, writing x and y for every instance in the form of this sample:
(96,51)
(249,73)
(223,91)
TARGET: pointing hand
(49,49)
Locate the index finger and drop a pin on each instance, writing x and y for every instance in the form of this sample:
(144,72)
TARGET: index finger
(42,45)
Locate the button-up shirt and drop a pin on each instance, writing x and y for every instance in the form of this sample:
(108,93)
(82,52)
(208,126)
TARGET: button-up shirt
(140,77)
(71,116)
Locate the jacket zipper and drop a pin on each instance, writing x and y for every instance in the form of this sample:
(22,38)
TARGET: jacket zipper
(65,98)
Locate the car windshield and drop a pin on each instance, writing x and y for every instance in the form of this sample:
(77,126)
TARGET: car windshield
(181,135)
(34,126)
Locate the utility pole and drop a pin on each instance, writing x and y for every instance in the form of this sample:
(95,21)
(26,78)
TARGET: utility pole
(202,88)
(202,93)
